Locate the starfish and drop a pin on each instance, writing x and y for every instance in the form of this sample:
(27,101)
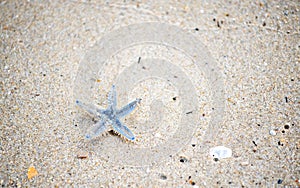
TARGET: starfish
(111,115)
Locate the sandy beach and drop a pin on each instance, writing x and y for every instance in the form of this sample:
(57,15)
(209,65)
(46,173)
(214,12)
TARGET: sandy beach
(208,74)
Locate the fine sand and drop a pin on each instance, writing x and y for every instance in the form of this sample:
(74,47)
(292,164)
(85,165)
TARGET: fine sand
(240,90)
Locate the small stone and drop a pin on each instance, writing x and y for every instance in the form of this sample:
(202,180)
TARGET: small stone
(163,177)
(82,155)
(183,159)
(280,181)
(192,182)
(287,126)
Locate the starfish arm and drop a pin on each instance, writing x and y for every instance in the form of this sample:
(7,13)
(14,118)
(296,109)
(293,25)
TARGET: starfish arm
(123,130)
(90,108)
(112,98)
(95,130)
(128,108)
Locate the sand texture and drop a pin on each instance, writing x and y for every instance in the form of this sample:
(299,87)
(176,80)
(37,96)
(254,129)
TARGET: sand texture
(209,73)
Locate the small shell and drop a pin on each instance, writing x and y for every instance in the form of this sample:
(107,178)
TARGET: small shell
(220,152)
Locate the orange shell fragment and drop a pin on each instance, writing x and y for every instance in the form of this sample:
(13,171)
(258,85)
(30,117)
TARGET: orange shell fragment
(31,172)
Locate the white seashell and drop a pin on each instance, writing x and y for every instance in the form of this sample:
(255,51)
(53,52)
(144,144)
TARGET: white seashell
(220,152)
(272,132)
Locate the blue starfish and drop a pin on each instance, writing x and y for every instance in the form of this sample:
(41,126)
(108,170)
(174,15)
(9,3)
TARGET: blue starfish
(110,115)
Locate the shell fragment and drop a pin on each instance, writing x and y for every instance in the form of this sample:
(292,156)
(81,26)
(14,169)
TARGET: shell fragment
(220,152)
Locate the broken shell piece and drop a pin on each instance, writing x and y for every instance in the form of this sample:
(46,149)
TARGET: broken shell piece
(272,132)
(245,163)
(31,172)
(82,155)
(220,152)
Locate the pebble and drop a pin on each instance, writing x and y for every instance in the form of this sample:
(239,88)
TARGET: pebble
(82,155)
